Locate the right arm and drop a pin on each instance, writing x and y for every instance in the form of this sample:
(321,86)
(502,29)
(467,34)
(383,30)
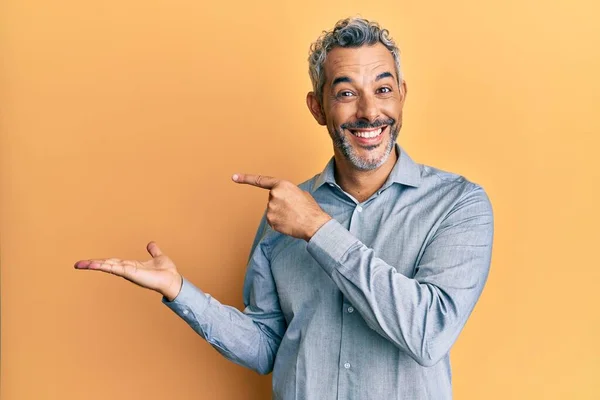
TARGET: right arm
(250,338)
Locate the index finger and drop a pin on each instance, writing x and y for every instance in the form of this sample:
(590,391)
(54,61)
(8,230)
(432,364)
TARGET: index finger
(261,181)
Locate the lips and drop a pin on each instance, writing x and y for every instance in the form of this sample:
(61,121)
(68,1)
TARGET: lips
(367,134)
(368,137)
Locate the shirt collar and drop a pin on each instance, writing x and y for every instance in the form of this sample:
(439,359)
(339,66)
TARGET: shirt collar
(405,172)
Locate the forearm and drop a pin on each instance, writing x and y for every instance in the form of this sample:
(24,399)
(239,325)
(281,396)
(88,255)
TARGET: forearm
(422,316)
(236,335)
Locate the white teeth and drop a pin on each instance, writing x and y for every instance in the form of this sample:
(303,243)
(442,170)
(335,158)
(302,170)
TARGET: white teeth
(369,134)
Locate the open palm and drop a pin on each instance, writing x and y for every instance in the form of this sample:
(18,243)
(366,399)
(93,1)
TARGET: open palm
(159,273)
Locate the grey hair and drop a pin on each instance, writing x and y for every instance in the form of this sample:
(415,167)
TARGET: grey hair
(349,32)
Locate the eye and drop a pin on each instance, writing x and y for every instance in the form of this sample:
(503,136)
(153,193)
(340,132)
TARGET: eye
(345,93)
(384,89)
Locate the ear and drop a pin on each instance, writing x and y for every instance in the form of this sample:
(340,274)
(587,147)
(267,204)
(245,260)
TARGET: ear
(314,106)
(403,90)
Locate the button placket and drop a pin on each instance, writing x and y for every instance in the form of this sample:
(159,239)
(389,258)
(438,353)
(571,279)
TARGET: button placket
(345,372)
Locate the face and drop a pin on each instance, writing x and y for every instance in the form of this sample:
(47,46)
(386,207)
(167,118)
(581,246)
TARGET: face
(361,106)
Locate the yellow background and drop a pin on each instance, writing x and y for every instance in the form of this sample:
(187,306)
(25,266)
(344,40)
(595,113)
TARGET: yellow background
(122,121)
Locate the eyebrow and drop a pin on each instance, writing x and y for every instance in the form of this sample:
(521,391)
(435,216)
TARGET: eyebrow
(384,75)
(341,79)
(345,79)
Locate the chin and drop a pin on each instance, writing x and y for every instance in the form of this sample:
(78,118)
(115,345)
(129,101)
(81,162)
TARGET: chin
(364,158)
(368,163)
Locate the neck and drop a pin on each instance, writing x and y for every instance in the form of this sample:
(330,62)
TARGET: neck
(362,184)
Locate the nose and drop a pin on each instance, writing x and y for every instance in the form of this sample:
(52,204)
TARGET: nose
(367,108)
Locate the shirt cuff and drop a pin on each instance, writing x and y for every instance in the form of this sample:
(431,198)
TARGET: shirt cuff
(329,244)
(189,303)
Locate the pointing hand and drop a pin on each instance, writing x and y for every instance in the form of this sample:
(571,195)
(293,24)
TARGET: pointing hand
(290,210)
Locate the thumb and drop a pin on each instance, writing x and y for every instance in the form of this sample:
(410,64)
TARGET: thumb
(153,250)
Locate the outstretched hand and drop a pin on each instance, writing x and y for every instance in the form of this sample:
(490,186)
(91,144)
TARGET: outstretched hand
(158,274)
(290,210)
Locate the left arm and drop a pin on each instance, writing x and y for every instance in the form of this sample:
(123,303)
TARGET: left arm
(422,315)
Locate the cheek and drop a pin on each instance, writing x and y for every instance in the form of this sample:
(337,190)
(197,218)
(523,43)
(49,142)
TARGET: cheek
(392,109)
(340,113)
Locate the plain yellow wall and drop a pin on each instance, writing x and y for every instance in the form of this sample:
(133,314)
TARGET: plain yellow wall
(122,121)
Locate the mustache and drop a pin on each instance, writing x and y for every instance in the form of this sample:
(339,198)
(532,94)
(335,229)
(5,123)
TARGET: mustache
(361,124)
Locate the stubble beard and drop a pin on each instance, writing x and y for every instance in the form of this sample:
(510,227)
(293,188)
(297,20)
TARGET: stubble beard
(341,142)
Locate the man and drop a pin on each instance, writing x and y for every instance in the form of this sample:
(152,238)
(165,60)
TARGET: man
(359,280)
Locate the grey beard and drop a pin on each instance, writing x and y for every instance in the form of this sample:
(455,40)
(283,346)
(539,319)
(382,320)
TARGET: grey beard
(341,142)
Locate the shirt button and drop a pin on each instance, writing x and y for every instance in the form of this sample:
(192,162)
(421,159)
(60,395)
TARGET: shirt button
(359,209)
(347,365)
(186,312)
(350,310)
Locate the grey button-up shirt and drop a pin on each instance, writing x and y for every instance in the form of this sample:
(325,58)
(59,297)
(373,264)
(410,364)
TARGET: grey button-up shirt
(370,306)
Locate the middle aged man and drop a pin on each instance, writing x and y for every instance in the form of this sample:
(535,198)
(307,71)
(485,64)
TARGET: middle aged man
(359,280)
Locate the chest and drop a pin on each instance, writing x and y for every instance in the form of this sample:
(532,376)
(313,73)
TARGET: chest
(396,233)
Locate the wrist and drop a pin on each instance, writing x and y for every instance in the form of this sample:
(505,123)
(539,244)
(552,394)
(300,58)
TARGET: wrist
(318,223)
(172,291)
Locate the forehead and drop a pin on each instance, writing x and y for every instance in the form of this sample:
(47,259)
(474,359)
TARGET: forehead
(358,62)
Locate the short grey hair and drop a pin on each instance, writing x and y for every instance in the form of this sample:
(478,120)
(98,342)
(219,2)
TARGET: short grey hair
(349,32)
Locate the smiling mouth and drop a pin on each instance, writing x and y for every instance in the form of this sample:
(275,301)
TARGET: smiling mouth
(367,133)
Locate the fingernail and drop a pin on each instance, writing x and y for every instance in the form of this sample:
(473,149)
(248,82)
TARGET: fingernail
(235,177)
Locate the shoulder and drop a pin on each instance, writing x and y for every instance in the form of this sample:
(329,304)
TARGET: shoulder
(434,177)
(454,188)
